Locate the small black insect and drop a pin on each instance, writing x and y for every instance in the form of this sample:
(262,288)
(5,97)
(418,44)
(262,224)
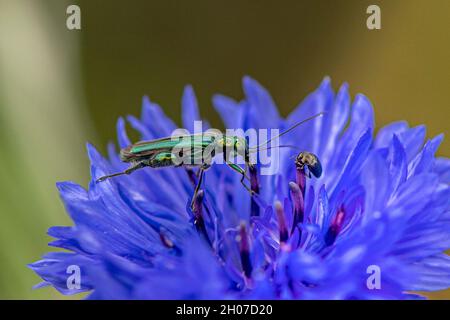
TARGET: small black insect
(310,160)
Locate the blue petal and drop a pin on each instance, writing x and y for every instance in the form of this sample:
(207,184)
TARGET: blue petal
(361,123)
(353,164)
(122,136)
(433,274)
(424,161)
(324,214)
(398,166)
(423,241)
(146,134)
(413,195)
(190,111)
(53,269)
(155,120)
(386,133)
(99,166)
(442,168)
(334,122)
(305,136)
(412,140)
(265,112)
(230,111)
(375,179)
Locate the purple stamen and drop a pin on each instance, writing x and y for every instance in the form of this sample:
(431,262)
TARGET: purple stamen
(254,186)
(299,205)
(192,176)
(335,227)
(165,240)
(244,250)
(281,222)
(199,222)
(301,179)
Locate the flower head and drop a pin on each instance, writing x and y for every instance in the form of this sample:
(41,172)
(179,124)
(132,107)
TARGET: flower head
(380,205)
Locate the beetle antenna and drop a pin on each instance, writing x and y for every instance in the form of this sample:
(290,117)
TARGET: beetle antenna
(291,128)
(255,149)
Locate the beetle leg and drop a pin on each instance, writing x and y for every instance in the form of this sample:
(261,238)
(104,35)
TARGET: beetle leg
(247,187)
(241,171)
(201,173)
(129,170)
(197,174)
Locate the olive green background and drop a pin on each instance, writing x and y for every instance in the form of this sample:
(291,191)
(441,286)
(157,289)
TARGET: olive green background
(61,88)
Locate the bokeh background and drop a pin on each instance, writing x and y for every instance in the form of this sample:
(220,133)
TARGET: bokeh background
(61,88)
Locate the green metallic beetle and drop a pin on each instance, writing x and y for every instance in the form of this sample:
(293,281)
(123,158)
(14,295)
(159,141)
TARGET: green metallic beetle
(192,150)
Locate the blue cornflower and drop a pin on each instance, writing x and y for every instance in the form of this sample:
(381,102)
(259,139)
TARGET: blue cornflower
(375,224)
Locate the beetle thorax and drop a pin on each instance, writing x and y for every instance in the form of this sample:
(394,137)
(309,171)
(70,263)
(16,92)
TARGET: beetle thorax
(232,146)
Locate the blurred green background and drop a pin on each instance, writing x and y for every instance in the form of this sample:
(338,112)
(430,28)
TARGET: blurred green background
(61,88)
